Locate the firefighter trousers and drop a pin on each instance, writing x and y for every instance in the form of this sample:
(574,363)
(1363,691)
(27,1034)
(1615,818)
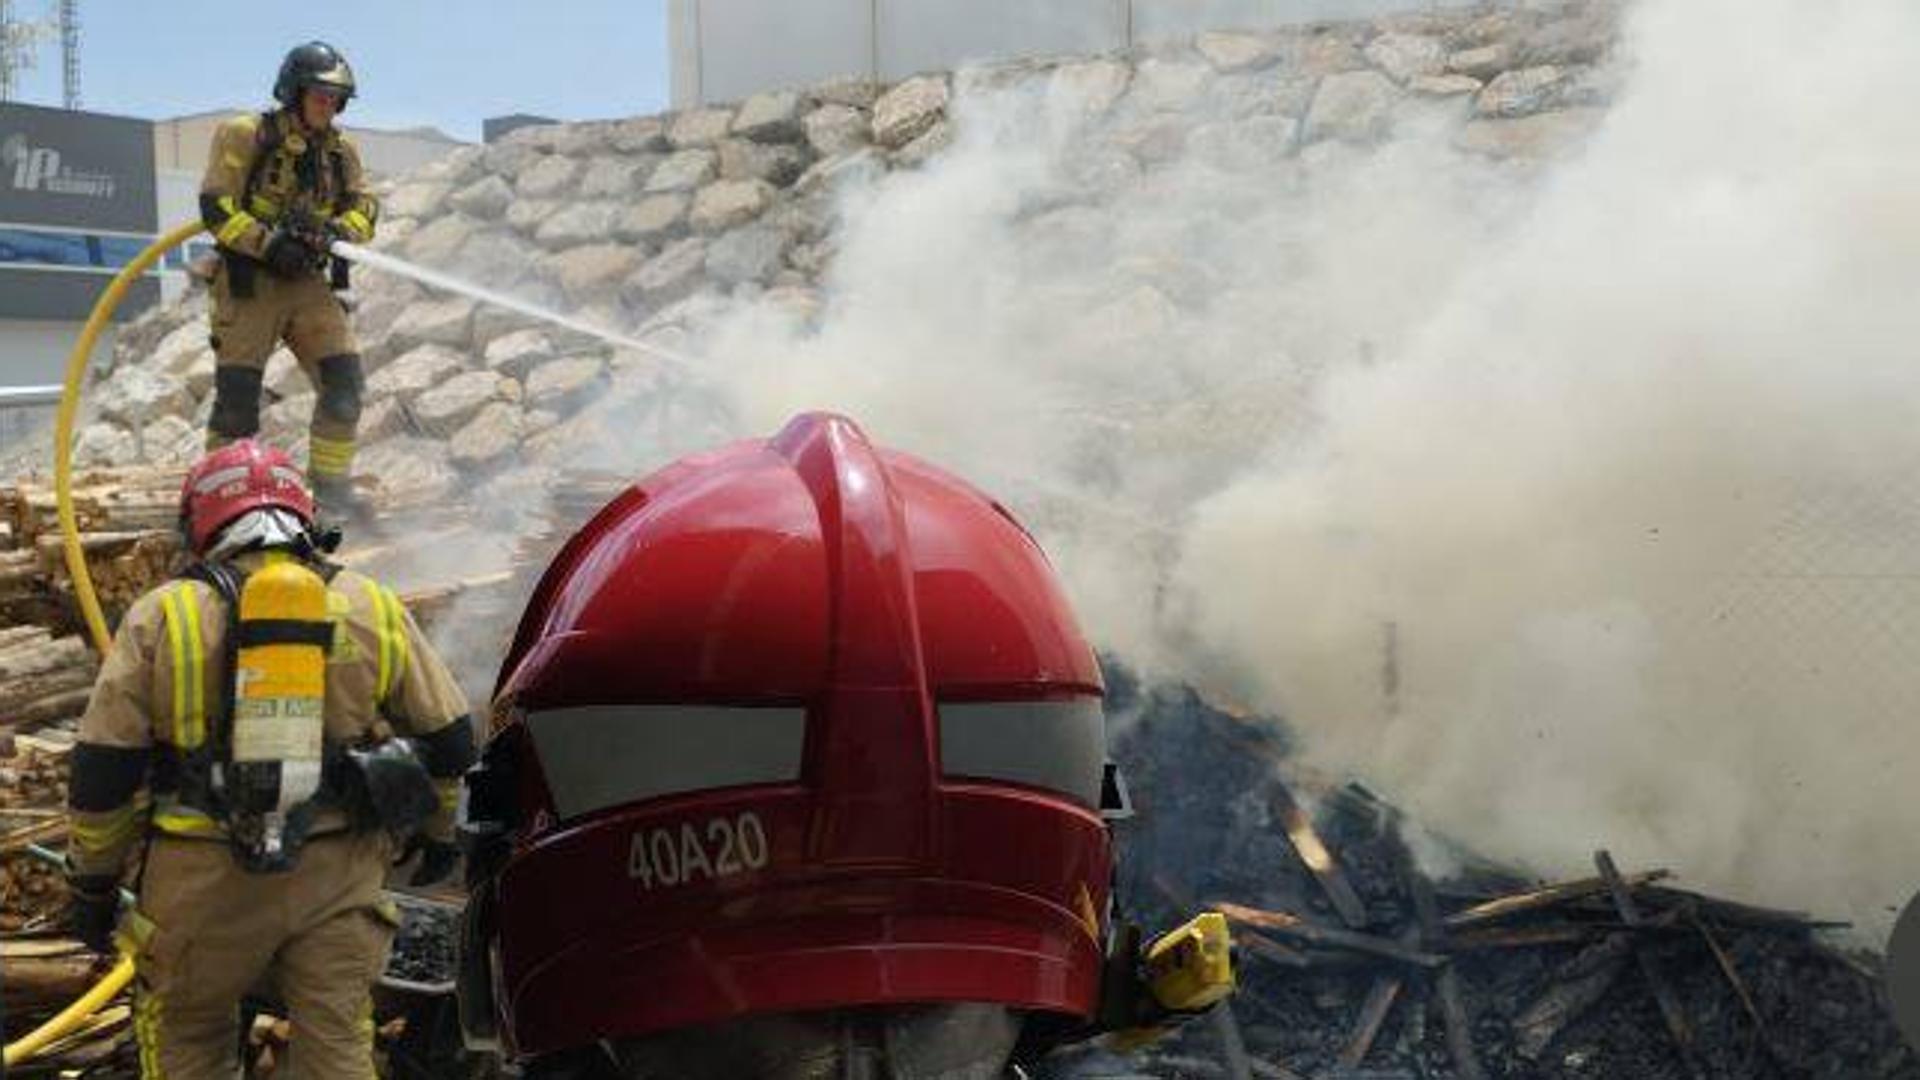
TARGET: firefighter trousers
(304,313)
(208,932)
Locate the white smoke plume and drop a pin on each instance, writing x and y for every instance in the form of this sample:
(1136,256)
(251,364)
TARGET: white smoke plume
(1620,454)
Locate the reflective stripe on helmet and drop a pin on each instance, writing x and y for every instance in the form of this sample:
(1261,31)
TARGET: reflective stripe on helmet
(1057,745)
(219,478)
(188,652)
(596,757)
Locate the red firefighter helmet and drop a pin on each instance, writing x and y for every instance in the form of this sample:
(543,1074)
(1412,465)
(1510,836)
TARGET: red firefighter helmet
(241,476)
(799,724)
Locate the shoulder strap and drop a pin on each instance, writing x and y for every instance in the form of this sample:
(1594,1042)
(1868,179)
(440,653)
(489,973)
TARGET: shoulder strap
(226,581)
(267,139)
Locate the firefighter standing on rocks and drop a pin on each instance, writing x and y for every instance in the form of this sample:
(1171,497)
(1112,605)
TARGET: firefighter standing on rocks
(280,186)
(274,733)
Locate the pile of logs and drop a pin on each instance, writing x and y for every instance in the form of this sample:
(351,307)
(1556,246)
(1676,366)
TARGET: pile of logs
(127,524)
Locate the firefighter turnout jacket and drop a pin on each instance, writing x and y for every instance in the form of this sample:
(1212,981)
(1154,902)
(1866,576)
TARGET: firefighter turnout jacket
(160,691)
(266,168)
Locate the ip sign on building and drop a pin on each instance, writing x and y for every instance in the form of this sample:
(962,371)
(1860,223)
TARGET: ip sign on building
(76,204)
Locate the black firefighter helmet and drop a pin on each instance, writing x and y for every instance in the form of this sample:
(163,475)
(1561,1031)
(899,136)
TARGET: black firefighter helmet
(314,64)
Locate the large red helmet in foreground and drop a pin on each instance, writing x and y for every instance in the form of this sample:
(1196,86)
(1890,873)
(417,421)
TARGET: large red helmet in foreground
(800,724)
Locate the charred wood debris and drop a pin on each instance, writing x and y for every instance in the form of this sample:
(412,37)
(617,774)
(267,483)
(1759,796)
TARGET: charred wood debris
(1352,965)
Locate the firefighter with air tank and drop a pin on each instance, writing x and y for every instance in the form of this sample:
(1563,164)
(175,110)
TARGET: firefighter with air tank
(280,187)
(269,734)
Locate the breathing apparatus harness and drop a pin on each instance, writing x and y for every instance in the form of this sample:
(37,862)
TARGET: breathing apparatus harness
(267,767)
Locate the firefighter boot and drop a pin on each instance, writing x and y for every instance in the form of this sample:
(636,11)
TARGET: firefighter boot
(337,506)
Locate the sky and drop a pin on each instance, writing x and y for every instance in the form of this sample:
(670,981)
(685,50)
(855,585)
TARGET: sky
(433,62)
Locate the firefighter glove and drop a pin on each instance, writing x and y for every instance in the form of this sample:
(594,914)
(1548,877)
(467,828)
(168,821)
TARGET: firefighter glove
(290,254)
(93,908)
(437,859)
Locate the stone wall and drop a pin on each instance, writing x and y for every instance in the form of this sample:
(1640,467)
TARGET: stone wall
(641,225)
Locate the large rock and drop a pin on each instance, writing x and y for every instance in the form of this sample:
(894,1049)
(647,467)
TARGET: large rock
(187,354)
(518,353)
(490,437)
(1482,63)
(457,167)
(410,470)
(1266,94)
(1521,93)
(836,129)
(498,259)
(1089,86)
(677,271)
(550,178)
(1355,106)
(1407,56)
(439,241)
(615,177)
(699,127)
(139,394)
(392,233)
(753,253)
(105,444)
(1328,51)
(726,203)
(445,408)
(829,173)
(905,112)
(639,135)
(1228,51)
(1155,142)
(541,137)
(416,200)
(779,164)
(1540,137)
(1244,145)
(565,384)
(415,371)
(486,198)
(382,300)
(584,140)
(380,418)
(579,223)
(284,420)
(508,158)
(1444,86)
(653,220)
(855,91)
(284,375)
(594,271)
(442,321)
(526,215)
(931,142)
(683,171)
(171,440)
(1161,85)
(771,117)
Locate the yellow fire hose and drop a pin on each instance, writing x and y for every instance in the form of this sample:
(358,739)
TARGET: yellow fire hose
(116,980)
(63,425)
(74,1015)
